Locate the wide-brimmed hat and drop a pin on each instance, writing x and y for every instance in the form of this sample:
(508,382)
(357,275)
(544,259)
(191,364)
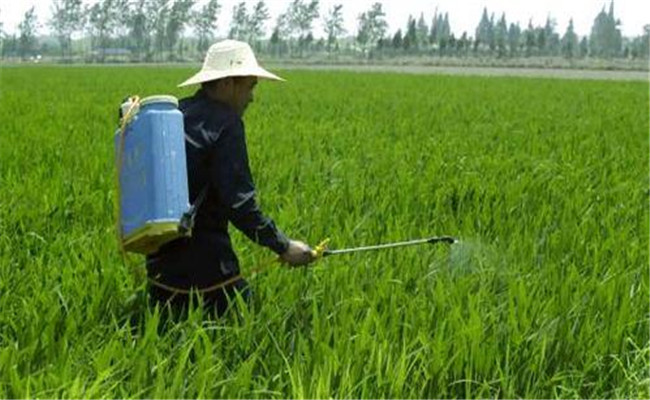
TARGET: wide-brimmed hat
(229,58)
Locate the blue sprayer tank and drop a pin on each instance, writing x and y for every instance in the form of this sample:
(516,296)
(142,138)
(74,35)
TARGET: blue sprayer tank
(150,157)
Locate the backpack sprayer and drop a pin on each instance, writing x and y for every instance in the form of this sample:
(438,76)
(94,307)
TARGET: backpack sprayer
(153,198)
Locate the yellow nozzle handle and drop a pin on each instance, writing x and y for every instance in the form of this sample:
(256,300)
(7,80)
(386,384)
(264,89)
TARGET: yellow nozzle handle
(318,251)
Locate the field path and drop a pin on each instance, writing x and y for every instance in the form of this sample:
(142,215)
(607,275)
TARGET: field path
(484,71)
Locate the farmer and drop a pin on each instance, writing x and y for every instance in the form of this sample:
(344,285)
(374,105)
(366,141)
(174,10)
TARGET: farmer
(217,162)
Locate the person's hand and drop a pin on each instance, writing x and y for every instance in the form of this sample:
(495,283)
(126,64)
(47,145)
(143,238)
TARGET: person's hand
(298,254)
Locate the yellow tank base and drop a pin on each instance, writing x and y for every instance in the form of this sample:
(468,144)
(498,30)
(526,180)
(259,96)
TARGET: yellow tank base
(150,237)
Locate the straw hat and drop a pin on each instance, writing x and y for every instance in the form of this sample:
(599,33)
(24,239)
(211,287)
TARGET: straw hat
(229,58)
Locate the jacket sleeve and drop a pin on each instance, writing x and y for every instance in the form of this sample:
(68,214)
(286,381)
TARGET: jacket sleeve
(230,174)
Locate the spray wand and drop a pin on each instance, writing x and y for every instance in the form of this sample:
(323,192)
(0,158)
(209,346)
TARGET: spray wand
(322,251)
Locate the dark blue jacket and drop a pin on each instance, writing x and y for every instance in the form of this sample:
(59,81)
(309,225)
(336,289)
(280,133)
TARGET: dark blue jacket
(217,158)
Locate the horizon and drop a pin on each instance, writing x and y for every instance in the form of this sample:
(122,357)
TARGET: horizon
(584,12)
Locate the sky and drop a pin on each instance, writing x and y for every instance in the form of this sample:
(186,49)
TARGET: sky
(464,15)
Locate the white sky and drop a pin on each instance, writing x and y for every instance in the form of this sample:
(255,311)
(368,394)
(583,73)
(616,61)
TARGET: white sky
(464,15)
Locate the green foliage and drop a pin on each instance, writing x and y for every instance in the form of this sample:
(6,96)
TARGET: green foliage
(66,18)
(182,30)
(333,25)
(258,18)
(372,26)
(440,30)
(545,182)
(179,15)
(570,42)
(27,38)
(605,39)
(514,39)
(410,38)
(422,32)
(299,18)
(640,45)
(206,24)
(501,35)
(239,22)
(485,31)
(249,27)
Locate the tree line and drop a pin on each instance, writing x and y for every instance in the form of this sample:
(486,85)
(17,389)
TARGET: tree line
(176,30)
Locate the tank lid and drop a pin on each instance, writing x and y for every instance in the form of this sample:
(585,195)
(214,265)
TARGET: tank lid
(159,99)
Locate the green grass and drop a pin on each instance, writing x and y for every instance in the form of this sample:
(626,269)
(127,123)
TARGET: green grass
(544,181)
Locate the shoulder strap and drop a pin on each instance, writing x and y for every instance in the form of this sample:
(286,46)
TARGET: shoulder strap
(186,223)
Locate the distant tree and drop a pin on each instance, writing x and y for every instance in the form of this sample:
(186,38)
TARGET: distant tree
(397,41)
(463,44)
(530,39)
(605,39)
(584,47)
(179,17)
(444,32)
(552,45)
(570,42)
(410,41)
(275,42)
(485,31)
(627,48)
(303,17)
(422,33)
(383,43)
(239,23)
(206,23)
(275,36)
(28,28)
(139,25)
(640,45)
(433,30)
(372,27)
(296,23)
(148,27)
(514,39)
(319,46)
(100,25)
(540,40)
(67,17)
(440,31)
(281,34)
(283,26)
(307,41)
(257,22)
(158,11)
(2,40)
(122,30)
(501,36)
(451,44)
(644,42)
(334,26)
(9,45)
(446,27)
(615,35)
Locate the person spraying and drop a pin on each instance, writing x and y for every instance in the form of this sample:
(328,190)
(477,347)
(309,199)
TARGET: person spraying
(184,176)
(221,185)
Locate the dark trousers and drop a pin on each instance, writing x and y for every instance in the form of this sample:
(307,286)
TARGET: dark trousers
(215,302)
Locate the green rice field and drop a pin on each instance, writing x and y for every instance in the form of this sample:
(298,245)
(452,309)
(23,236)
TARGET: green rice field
(545,182)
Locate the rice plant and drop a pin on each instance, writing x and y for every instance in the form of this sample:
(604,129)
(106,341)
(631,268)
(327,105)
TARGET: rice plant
(545,182)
